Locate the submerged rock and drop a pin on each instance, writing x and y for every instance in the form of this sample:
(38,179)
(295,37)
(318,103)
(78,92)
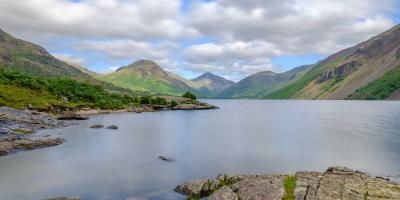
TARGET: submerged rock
(166,159)
(112,127)
(97,126)
(335,183)
(64,198)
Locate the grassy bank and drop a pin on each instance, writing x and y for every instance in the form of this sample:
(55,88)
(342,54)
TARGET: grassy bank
(20,90)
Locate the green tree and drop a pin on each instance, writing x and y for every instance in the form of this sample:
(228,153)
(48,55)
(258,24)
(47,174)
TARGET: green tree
(173,104)
(189,95)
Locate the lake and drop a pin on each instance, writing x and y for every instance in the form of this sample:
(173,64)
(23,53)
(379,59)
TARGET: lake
(244,136)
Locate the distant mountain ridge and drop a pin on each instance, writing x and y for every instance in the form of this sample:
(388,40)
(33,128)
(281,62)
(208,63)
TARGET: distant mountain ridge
(262,83)
(210,85)
(346,74)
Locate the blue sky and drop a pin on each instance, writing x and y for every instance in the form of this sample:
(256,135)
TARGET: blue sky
(231,38)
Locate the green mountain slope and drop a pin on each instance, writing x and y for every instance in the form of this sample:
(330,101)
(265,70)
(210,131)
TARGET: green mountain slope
(260,84)
(146,75)
(344,73)
(23,56)
(209,85)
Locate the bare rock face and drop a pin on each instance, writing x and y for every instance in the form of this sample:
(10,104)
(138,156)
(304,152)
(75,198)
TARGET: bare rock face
(225,193)
(336,183)
(338,72)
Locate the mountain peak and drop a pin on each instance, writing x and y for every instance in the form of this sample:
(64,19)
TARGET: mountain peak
(143,65)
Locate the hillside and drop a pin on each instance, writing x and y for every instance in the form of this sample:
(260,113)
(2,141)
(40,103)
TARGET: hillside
(146,75)
(344,74)
(260,84)
(209,84)
(23,56)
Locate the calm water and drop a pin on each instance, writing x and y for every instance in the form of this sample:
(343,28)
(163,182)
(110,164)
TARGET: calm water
(244,136)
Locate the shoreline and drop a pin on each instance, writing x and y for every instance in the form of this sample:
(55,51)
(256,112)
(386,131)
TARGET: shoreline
(334,183)
(18,128)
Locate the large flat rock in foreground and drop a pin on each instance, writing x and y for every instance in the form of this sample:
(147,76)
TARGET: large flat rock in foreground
(335,183)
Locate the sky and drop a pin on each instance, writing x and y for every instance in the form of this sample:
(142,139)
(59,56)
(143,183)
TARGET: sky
(231,38)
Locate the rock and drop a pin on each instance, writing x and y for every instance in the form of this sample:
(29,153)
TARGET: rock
(3,153)
(27,144)
(225,193)
(193,106)
(268,187)
(97,126)
(65,198)
(23,131)
(64,99)
(334,183)
(192,188)
(166,159)
(112,127)
(71,116)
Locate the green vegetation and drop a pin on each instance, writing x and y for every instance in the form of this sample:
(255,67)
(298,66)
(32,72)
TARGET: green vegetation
(23,90)
(381,88)
(173,104)
(289,183)
(189,95)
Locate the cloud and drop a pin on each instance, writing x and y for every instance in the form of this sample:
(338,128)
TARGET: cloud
(246,34)
(289,27)
(140,19)
(68,58)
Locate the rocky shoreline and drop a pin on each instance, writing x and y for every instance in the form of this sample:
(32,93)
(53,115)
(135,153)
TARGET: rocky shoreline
(18,127)
(334,183)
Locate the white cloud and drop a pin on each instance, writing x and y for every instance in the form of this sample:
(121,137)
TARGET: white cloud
(68,58)
(140,19)
(248,34)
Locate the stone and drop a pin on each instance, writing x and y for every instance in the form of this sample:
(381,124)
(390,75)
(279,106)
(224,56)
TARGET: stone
(71,116)
(267,187)
(334,183)
(166,159)
(192,188)
(112,127)
(224,193)
(64,198)
(97,126)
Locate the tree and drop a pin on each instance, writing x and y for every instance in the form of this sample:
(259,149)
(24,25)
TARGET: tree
(189,95)
(173,103)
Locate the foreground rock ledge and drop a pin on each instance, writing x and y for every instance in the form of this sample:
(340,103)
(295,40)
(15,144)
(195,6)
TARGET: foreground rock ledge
(335,183)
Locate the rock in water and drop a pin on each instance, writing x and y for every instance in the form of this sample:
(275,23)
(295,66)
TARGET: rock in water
(71,116)
(97,126)
(166,159)
(65,198)
(112,127)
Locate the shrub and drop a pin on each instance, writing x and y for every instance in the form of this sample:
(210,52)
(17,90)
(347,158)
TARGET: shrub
(189,95)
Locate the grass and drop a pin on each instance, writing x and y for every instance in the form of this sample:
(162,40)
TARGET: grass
(289,184)
(381,88)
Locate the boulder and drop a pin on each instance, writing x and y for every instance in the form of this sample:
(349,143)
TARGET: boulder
(114,127)
(224,193)
(97,126)
(71,116)
(192,188)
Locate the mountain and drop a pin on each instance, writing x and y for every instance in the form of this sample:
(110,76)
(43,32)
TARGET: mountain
(23,56)
(209,84)
(368,70)
(260,84)
(146,75)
